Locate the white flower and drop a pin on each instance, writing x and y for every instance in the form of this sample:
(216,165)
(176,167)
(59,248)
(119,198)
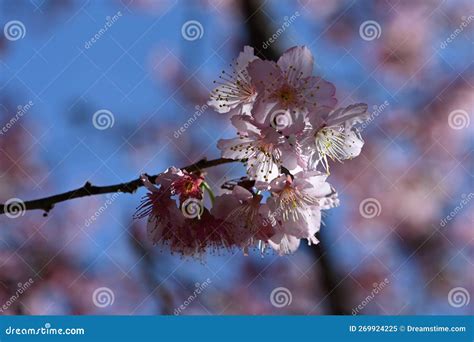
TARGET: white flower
(235,93)
(296,205)
(243,210)
(332,134)
(284,243)
(263,149)
(290,82)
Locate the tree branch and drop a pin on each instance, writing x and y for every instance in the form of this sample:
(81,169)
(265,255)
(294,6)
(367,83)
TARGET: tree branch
(47,203)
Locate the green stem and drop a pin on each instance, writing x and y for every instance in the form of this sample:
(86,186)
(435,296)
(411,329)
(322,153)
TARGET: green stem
(208,189)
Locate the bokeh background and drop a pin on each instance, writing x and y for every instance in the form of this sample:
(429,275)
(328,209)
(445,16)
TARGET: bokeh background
(413,66)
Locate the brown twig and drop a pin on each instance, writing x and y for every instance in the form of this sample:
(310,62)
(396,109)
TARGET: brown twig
(47,203)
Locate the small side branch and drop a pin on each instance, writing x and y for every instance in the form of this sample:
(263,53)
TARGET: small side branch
(48,203)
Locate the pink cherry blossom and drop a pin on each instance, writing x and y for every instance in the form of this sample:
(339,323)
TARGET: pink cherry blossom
(187,185)
(235,93)
(333,134)
(290,83)
(170,226)
(264,149)
(286,128)
(159,207)
(296,205)
(245,212)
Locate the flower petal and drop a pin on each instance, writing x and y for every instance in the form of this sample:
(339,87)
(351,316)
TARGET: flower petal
(349,116)
(296,63)
(284,244)
(241,193)
(264,74)
(352,144)
(244,124)
(244,58)
(236,148)
(278,183)
(224,205)
(318,92)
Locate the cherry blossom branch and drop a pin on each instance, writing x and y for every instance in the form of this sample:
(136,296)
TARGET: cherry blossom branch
(48,203)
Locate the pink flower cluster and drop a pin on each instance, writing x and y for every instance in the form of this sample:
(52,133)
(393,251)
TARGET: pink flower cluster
(288,130)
